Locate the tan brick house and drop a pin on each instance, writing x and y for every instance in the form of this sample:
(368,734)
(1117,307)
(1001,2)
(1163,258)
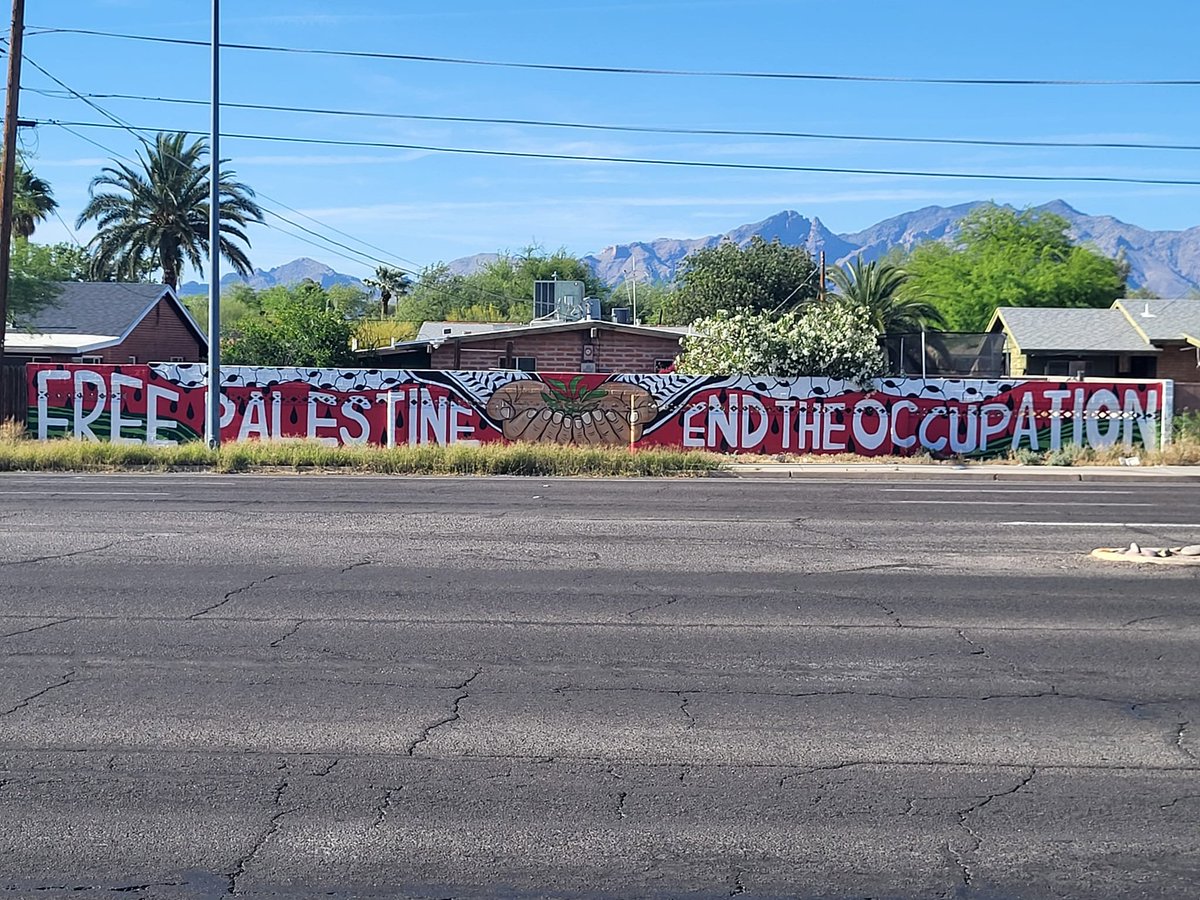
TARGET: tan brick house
(585,346)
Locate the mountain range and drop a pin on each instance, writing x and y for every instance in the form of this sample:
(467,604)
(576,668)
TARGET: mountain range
(1164,262)
(294,272)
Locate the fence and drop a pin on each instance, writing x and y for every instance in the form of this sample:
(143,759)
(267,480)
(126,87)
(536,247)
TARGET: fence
(13,392)
(940,354)
(971,417)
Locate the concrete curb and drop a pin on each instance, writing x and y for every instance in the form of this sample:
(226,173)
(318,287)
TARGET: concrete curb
(973,473)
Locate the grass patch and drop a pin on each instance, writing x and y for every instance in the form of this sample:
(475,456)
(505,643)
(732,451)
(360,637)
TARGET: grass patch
(17,453)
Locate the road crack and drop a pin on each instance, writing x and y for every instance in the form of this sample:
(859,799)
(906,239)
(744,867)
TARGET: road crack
(428,730)
(642,609)
(959,859)
(683,708)
(357,565)
(73,553)
(230,596)
(39,627)
(382,807)
(21,704)
(295,627)
(239,868)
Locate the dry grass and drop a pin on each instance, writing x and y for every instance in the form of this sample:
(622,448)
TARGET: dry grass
(19,454)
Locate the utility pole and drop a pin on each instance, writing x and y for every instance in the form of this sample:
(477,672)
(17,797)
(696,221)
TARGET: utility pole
(212,410)
(8,170)
(821,283)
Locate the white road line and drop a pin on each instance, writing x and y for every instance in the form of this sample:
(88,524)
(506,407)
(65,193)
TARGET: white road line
(1002,490)
(1106,524)
(51,493)
(989,503)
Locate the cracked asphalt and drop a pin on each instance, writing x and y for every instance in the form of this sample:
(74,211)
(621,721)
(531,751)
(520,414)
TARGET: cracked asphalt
(291,687)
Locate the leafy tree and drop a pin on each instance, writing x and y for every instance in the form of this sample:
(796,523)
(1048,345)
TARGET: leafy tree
(878,288)
(832,339)
(160,214)
(296,326)
(33,201)
(1010,258)
(501,291)
(760,276)
(654,300)
(34,273)
(390,282)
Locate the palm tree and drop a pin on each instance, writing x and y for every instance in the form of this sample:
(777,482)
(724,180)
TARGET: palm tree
(33,201)
(160,213)
(877,288)
(390,283)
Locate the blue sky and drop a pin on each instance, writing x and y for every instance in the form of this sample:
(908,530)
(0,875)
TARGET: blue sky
(419,207)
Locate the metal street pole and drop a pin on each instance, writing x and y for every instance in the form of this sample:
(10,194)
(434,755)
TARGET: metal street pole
(8,171)
(213,404)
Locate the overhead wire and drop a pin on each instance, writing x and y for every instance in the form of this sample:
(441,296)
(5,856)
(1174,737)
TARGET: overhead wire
(360,258)
(638,129)
(676,163)
(33,30)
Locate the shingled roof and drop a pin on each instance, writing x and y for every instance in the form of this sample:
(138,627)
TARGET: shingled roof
(1052,330)
(1163,320)
(91,315)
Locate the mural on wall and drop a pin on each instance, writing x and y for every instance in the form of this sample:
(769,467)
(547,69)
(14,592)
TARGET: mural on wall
(164,404)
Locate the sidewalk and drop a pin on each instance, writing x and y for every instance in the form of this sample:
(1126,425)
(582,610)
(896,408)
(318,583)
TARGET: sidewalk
(972,473)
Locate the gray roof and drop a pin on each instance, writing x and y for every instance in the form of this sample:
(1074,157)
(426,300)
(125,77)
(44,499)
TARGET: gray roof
(1164,320)
(94,308)
(1072,330)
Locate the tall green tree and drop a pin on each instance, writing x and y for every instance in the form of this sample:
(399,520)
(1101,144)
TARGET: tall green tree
(1006,257)
(761,277)
(500,291)
(159,212)
(877,290)
(33,201)
(389,282)
(294,326)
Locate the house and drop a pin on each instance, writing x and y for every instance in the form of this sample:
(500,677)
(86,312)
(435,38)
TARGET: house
(1093,343)
(1173,326)
(109,323)
(585,345)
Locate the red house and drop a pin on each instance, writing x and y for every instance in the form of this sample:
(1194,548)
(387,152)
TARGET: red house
(110,323)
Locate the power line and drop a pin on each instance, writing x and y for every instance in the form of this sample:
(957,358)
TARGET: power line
(621,70)
(638,129)
(360,258)
(673,163)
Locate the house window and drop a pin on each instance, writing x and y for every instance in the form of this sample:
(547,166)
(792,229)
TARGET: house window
(177,359)
(520,363)
(39,359)
(88,360)
(133,360)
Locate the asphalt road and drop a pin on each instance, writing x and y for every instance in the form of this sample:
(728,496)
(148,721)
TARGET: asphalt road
(362,687)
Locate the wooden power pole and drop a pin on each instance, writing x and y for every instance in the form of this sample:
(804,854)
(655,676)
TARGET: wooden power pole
(8,170)
(821,280)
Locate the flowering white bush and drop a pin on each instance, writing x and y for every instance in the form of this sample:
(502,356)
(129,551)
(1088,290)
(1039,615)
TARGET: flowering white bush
(831,339)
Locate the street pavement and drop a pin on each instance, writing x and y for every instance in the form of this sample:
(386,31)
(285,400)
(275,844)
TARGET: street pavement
(304,686)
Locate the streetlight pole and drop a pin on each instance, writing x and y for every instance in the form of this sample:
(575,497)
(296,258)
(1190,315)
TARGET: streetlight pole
(213,403)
